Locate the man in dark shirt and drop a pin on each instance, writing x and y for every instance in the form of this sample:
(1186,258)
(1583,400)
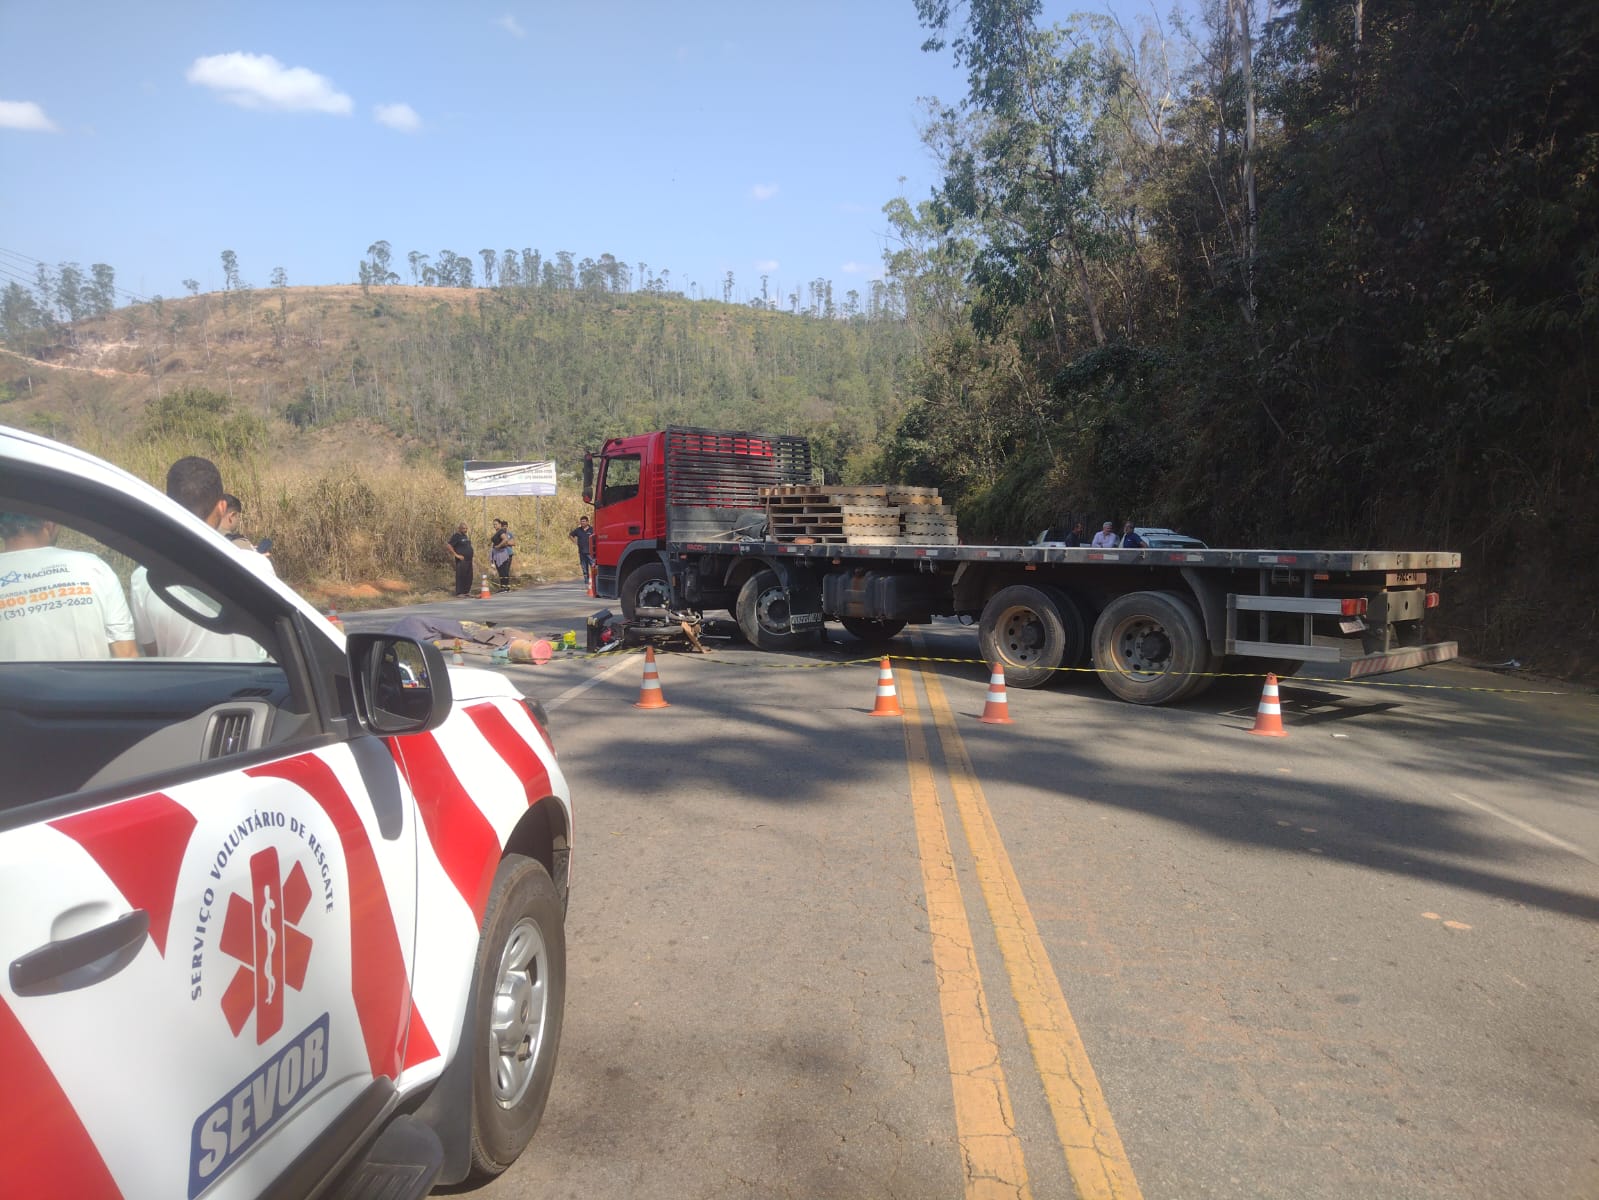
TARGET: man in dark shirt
(460,547)
(583,535)
(501,548)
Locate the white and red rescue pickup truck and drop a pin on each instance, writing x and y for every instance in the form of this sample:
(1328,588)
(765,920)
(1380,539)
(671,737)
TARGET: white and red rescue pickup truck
(286,924)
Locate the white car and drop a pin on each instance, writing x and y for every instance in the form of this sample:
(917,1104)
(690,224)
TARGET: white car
(287,923)
(1154,537)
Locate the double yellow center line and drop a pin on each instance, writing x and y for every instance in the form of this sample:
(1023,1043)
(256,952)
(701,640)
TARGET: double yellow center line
(991,1151)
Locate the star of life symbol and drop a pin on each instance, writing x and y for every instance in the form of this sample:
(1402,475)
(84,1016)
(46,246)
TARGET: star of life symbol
(261,933)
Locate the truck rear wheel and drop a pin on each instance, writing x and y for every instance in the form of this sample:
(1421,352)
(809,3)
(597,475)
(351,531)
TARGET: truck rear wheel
(1150,648)
(1022,628)
(763,612)
(1075,652)
(646,586)
(871,630)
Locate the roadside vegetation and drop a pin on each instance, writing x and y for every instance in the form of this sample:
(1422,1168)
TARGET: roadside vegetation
(1303,274)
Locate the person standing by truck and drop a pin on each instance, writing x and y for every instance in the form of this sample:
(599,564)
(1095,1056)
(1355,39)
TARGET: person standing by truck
(583,535)
(1106,537)
(459,545)
(501,548)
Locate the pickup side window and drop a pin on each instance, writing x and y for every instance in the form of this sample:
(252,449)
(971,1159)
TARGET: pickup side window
(621,479)
(133,651)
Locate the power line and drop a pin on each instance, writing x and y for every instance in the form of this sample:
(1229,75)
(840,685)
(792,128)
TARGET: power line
(34,264)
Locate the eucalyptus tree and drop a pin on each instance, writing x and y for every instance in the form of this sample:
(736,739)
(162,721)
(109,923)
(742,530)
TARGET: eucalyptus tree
(1024,156)
(103,291)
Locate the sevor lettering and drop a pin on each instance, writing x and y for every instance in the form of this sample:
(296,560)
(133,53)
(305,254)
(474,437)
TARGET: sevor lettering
(237,1121)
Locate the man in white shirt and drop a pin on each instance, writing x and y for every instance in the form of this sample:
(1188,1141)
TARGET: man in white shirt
(163,632)
(1106,537)
(57,604)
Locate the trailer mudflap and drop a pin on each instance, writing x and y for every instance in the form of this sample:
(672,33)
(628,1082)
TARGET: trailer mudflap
(1384,662)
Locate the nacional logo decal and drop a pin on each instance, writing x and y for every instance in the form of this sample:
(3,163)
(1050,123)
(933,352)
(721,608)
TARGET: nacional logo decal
(262,933)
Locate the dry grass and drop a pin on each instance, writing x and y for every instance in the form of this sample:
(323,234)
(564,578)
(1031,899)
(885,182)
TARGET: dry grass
(362,536)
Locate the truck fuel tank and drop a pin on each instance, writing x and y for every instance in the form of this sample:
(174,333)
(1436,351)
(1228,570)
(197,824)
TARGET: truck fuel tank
(877,595)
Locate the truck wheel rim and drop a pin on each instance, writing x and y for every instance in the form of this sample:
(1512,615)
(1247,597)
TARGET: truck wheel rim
(516,1023)
(1141,647)
(771,610)
(654,594)
(1021,636)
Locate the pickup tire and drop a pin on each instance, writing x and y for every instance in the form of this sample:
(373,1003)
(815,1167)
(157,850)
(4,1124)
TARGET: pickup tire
(762,612)
(871,630)
(1022,629)
(1150,648)
(646,586)
(521,996)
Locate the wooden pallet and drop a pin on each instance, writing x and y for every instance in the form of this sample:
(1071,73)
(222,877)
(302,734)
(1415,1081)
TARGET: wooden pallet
(866,514)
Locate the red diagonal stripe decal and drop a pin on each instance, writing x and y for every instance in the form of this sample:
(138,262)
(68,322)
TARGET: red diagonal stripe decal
(382,993)
(48,1151)
(419,1047)
(139,844)
(463,840)
(513,748)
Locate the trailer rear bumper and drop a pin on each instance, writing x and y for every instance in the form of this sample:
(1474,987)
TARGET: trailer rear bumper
(1387,661)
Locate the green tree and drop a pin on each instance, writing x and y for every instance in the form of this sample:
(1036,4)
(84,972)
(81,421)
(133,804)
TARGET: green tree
(103,291)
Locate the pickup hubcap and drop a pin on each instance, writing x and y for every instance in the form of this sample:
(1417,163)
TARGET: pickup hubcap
(516,1024)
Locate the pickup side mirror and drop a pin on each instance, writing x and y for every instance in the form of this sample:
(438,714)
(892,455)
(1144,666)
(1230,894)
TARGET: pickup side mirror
(401,685)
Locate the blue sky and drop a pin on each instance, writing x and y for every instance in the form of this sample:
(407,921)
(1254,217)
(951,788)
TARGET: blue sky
(751,137)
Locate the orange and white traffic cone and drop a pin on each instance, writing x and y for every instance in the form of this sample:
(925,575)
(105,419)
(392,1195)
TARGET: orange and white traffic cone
(1269,716)
(996,711)
(649,693)
(484,594)
(887,697)
(592,577)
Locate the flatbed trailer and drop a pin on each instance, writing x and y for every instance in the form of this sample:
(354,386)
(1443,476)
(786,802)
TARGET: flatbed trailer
(681,530)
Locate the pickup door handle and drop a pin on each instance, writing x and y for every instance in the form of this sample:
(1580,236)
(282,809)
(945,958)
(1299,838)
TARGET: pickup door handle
(78,962)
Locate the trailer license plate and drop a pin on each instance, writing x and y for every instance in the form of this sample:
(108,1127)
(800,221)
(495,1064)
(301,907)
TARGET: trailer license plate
(1352,625)
(799,619)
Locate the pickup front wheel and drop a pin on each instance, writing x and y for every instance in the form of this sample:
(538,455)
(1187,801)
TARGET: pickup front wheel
(521,994)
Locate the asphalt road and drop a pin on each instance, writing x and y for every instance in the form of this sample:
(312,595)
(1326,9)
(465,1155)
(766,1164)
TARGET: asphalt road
(1103,950)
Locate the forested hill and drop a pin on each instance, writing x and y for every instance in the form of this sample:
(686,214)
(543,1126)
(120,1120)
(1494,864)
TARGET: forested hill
(459,373)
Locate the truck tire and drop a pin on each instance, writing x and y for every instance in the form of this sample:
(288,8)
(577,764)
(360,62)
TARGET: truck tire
(1075,653)
(521,996)
(1150,648)
(1022,628)
(762,612)
(871,630)
(646,586)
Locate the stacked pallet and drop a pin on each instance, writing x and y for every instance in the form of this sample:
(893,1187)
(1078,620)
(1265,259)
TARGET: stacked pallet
(873,514)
